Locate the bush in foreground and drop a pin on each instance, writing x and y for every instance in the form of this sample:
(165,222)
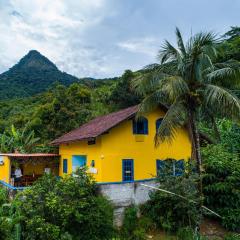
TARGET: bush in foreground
(170,212)
(221,184)
(67,208)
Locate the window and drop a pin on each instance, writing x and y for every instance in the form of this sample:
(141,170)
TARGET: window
(65,165)
(160,167)
(140,126)
(127,170)
(169,166)
(158,123)
(78,161)
(178,168)
(93,163)
(92,141)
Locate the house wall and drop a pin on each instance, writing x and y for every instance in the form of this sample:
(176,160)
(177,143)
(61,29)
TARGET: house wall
(120,143)
(5,169)
(92,152)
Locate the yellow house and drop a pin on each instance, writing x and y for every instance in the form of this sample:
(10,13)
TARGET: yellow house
(117,148)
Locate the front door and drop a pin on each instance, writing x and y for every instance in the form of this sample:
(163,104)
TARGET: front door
(127,169)
(78,161)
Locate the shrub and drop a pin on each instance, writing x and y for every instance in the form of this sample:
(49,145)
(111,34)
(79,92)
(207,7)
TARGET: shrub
(189,234)
(232,237)
(221,184)
(5,226)
(172,212)
(68,208)
(132,229)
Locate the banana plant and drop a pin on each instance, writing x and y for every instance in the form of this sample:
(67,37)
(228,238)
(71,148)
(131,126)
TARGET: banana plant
(17,140)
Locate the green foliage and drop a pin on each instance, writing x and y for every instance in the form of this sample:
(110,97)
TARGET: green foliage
(221,184)
(123,95)
(63,110)
(132,228)
(188,233)
(15,140)
(66,208)
(172,212)
(58,110)
(229,48)
(232,237)
(5,226)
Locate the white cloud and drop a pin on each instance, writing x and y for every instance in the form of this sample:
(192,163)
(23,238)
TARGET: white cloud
(102,38)
(147,45)
(54,28)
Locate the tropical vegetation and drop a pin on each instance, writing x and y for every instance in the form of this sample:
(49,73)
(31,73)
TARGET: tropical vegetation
(198,81)
(54,209)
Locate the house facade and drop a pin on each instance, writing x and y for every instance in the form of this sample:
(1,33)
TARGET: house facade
(117,148)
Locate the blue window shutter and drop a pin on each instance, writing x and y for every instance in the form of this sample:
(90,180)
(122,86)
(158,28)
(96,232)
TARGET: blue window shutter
(158,123)
(65,166)
(160,167)
(145,122)
(179,168)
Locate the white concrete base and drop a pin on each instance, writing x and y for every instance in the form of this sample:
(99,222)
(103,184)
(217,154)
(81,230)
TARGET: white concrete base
(123,195)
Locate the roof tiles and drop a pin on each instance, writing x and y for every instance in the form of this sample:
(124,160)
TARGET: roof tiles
(97,126)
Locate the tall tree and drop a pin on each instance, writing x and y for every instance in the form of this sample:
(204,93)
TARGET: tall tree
(123,95)
(185,81)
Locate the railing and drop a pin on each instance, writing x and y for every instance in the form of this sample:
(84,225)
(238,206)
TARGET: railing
(10,186)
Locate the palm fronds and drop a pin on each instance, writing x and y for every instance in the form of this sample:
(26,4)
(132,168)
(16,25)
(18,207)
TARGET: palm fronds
(185,80)
(222,101)
(174,119)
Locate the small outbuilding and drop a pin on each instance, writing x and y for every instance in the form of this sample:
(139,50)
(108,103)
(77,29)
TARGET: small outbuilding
(22,169)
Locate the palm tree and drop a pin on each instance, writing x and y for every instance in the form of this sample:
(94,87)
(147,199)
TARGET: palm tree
(185,81)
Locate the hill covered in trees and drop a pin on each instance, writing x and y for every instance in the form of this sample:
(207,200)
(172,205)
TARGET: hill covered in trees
(33,74)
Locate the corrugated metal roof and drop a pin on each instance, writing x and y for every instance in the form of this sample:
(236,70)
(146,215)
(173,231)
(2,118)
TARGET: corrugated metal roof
(97,126)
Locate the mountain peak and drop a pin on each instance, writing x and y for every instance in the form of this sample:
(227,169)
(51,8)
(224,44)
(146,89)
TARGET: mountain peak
(34,53)
(34,73)
(35,59)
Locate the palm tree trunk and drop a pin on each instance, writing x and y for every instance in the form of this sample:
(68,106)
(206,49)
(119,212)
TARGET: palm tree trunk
(196,154)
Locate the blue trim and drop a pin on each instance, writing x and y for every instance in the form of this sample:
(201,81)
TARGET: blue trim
(128,165)
(98,183)
(11,187)
(125,182)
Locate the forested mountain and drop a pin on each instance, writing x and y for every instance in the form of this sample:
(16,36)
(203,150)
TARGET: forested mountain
(33,74)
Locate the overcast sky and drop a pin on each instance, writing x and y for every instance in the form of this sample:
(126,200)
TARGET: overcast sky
(102,38)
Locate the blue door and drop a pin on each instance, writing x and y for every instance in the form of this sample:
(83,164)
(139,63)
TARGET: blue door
(127,170)
(78,161)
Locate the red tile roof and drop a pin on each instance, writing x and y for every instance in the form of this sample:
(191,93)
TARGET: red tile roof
(97,126)
(25,155)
